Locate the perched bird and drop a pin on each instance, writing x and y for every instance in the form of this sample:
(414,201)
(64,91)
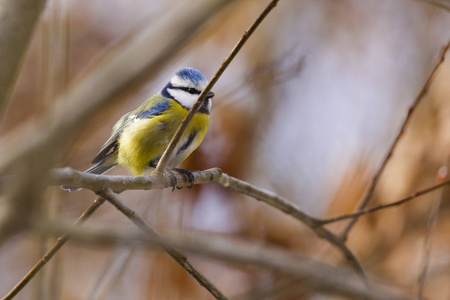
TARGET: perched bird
(140,137)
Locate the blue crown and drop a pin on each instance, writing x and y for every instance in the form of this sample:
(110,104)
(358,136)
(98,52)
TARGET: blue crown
(191,74)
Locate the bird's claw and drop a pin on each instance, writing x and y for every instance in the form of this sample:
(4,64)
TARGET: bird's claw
(173,178)
(189,176)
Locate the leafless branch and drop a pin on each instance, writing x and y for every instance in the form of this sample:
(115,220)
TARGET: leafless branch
(434,211)
(177,136)
(118,184)
(50,253)
(405,124)
(444,4)
(383,206)
(18,19)
(175,254)
(315,275)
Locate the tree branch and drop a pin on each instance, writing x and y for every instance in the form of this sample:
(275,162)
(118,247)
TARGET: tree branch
(118,184)
(383,206)
(405,124)
(179,257)
(177,136)
(50,253)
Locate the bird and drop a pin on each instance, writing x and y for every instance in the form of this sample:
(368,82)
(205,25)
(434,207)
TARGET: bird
(140,137)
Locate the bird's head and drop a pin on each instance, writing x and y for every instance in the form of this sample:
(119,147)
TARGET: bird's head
(186,86)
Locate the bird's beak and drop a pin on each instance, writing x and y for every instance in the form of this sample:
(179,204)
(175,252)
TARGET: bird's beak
(210,94)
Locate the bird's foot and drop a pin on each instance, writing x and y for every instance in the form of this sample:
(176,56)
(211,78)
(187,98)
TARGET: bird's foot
(189,176)
(173,179)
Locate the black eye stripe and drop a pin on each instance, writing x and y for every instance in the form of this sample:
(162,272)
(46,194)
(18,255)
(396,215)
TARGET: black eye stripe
(189,90)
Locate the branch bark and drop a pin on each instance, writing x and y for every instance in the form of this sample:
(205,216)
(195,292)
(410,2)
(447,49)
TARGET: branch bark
(99,183)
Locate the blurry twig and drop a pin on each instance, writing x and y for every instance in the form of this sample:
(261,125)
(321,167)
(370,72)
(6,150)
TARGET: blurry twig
(416,102)
(444,4)
(434,211)
(383,206)
(50,253)
(316,276)
(269,73)
(176,137)
(179,257)
(17,23)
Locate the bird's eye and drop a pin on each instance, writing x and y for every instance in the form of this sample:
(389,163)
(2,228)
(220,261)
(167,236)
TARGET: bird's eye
(189,90)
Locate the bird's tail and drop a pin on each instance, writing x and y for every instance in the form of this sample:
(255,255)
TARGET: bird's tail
(98,169)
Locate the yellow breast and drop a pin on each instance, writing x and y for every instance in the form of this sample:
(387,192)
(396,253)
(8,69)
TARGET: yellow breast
(144,140)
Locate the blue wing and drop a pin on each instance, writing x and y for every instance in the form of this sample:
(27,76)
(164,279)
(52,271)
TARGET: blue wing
(149,111)
(155,110)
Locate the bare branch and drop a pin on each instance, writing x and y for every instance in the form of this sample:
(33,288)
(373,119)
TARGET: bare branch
(18,19)
(383,206)
(444,4)
(434,212)
(405,124)
(177,136)
(315,275)
(285,206)
(179,257)
(118,184)
(50,253)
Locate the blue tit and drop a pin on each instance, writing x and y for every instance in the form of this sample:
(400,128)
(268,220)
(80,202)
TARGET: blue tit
(140,137)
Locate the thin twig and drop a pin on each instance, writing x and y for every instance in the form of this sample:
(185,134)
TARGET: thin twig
(180,258)
(434,211)
(177,136)
(383,206)
(50,253)
(315,275)
(285,206)
(444,4)
(376,178)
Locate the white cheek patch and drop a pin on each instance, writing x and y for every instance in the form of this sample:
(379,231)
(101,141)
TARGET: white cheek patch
(177,81)
(184,98)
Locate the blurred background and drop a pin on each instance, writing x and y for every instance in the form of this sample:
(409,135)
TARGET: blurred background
(308,109)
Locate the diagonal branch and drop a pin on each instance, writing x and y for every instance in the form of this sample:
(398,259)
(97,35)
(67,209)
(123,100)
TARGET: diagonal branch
(283,205)
(405,124)
(177,136)
(50,253)
(179,257)
(362,212)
